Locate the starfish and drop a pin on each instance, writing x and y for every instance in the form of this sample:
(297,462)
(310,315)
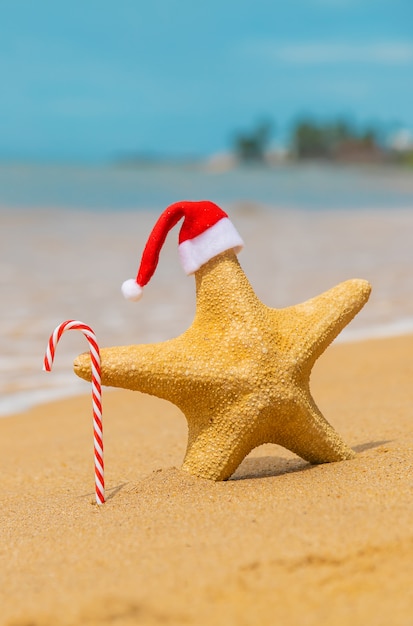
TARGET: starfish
(241,372)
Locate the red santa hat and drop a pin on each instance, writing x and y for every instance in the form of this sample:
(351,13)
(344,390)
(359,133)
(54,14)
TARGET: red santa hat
(206,231)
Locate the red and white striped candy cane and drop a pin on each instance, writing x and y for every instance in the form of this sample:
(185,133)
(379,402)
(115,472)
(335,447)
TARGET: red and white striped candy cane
(96,394)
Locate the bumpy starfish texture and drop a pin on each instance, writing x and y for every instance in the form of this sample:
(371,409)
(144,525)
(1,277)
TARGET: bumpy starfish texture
(240,373)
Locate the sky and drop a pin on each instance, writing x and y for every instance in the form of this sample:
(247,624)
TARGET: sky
(91,80)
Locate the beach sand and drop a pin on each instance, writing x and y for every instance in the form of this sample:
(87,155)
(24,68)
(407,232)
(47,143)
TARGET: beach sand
(282,542)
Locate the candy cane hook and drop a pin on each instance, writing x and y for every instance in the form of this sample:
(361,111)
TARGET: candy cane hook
(96,394)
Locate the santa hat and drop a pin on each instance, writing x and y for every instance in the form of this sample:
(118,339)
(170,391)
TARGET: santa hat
(206,231)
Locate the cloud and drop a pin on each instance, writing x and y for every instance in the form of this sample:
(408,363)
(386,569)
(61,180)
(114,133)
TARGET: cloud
(328,53)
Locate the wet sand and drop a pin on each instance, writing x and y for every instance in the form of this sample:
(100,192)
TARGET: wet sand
(281,542)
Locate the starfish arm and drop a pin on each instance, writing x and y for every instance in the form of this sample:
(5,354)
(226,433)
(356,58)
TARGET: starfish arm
(223,293)
(156,369)
(312,325)
(219,438)
(307,433)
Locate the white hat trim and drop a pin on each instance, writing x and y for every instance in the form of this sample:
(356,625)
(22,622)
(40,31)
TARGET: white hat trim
(194,253)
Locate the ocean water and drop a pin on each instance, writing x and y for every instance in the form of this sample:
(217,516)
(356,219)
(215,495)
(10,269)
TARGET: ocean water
(70,235)
(153,186)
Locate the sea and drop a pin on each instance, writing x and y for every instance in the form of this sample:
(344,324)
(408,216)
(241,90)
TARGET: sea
(153,186)
(70,234)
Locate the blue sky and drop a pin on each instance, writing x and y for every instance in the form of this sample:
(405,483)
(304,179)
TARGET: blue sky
(87,80)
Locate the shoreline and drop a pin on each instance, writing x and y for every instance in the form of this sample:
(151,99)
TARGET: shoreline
(22,401)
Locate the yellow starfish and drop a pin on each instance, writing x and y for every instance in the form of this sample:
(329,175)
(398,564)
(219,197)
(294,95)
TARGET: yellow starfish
(240,373)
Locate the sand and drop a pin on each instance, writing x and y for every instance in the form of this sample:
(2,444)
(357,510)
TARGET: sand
(282,542)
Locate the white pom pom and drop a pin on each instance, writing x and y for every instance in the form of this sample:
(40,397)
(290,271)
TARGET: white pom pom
(131,290)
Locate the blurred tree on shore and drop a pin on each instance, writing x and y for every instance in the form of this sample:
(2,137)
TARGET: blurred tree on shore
(334,140)
(252,147)
(312,140)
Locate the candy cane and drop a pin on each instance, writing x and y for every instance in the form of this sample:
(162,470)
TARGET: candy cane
(96,394)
